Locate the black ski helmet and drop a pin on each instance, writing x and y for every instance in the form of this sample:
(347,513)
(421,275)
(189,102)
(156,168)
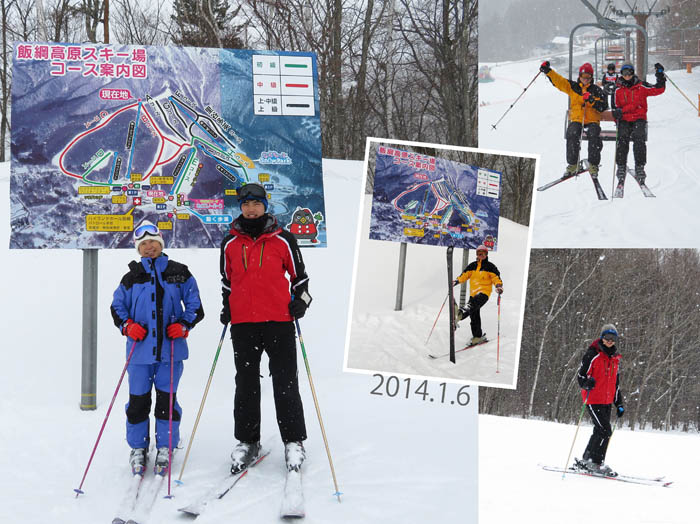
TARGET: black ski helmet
(611,66)
(252,191)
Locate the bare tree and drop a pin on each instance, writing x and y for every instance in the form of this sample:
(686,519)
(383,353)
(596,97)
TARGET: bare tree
(92,11)
(5,76)
(142,24)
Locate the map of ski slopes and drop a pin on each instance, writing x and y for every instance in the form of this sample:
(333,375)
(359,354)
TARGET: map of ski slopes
(422,199)
(105,136)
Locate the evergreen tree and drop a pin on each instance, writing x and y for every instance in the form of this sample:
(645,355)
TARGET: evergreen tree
(206,23)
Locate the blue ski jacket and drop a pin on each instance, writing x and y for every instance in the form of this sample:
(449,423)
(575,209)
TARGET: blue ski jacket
(156,293)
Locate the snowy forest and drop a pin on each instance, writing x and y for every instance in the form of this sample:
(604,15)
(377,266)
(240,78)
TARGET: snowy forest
(653,299)
(516,183)
(406,69)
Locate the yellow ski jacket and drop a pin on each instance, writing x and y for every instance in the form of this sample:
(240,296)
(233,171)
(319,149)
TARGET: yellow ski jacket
(578,111)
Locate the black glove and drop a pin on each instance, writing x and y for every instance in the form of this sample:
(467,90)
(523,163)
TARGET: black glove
(659,68)
(225,316)
(455,283)
(617,113)
(297,307)
(588,384)
(545,67)
(620,411)
(499,288)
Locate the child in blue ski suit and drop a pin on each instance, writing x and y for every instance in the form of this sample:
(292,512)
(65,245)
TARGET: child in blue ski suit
(148,309)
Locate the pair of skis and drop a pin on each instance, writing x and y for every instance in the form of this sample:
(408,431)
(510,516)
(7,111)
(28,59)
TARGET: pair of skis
(138,500)
(292,499)
(630,479)
(620,188)
(468,346)
(583,167)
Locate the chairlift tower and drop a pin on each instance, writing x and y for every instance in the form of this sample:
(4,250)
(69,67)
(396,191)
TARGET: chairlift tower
(640,14)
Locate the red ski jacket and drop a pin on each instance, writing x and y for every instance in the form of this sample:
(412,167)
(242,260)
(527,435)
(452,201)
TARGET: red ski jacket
(604,367)
(632,99)
(254,274)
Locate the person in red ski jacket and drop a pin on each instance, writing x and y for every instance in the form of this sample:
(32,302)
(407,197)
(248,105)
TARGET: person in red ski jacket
(599,378)
(630,113)
(264,288)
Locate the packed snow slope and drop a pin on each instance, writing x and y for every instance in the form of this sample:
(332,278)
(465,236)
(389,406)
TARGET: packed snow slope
(378,442)
(389,341)
(514,488)
(569,214)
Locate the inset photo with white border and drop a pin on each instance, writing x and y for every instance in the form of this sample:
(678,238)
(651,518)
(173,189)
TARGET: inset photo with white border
(424,206)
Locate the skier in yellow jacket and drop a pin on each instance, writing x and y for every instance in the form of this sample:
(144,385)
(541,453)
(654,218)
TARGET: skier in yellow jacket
(482,276)
(586,102)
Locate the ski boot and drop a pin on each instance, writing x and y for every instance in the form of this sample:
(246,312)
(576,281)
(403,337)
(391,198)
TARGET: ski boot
(294,455)
(571,169)
(606,470)
(138,459)
(243,455)
(593,170)
(621,173)
(477,340)
(162,461)
(639,174)
(461,313)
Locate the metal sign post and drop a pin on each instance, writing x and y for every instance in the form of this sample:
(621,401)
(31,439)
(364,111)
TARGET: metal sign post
(88,385)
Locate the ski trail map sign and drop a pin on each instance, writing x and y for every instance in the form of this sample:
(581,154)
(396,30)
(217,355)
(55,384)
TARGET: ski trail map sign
(427,200)
(105,136)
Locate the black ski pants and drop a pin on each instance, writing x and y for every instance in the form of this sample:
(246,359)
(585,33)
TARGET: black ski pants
(636,132)
(473,308)
(573,143)
(602,431)
(277,339)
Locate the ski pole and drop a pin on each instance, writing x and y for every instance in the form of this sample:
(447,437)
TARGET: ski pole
(617,139)
(318,410)
(498,335)
(575,434)
(78,490)
(681,92)
(170,415)
(516,100)
(201,405)
(436,319)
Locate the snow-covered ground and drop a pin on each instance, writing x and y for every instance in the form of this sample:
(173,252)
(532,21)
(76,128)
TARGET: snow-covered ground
(391,464)
(389,341)
(514,488)
(569,214)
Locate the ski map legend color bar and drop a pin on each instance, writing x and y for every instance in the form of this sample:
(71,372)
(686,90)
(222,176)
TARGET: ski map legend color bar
(283,85)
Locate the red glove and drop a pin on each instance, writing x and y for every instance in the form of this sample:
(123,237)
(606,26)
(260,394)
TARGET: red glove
(177,330)
(587,97)
(133,330)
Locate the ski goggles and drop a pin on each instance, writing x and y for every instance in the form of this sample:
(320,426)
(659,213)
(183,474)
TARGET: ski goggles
(610,337)
(146,229)
(251,192)
(482,252)
(626,70)
(585,76)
